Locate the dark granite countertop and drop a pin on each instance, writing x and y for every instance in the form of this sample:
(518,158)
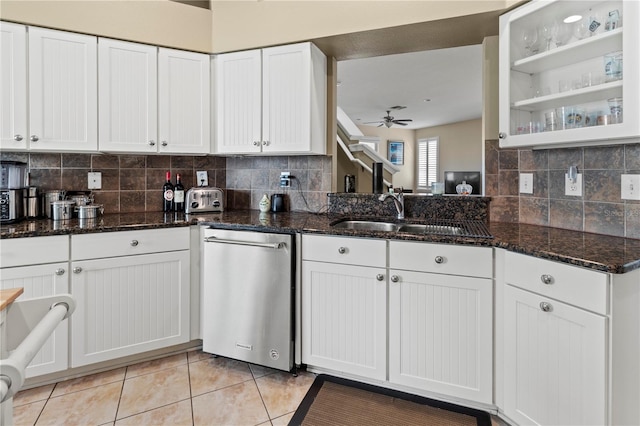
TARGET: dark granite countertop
(594,251)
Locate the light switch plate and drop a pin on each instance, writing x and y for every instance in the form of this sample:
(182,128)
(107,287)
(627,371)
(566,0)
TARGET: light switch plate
(630,187)
(571,188)
(202,178)
(94,180)
(526,183)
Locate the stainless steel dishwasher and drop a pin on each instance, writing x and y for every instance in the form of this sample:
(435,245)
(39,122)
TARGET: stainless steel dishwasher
(248,292)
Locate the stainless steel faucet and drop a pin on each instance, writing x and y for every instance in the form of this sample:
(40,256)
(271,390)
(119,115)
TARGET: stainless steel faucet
(398,200)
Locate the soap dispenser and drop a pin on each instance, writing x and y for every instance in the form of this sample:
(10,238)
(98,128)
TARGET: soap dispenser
(265,204)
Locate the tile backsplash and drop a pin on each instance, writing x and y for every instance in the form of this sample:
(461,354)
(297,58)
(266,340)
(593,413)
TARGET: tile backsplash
(133,183)
(599,210)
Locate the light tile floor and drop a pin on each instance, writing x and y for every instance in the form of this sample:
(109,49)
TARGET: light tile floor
(186,389)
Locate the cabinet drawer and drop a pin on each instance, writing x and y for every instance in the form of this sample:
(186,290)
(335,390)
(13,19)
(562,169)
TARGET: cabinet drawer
(576,286)
(127,243)
(352,251)
(441,258)
(34,250)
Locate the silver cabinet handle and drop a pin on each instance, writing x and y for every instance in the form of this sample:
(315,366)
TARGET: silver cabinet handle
(134,243)
(380,277)
(77,270)
(395,278)
(34,138)
(266,143)
(502,135)
(342,250)
(60,271)
(275,246)
(152,143)
(256,143)
(546,307)
(18,138)
(164,143)
(439,259)
(546,279)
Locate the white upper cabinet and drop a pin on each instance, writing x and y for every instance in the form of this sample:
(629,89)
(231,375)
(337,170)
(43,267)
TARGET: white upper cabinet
(569,84)
(271,101)
(184,102)
(13,86)
(153,100)
(62,91)
(128,83)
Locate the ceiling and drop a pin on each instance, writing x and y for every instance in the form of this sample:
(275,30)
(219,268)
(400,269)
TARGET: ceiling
(450,78)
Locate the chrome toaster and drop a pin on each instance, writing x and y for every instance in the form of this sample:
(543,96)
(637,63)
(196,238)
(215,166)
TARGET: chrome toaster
(204,200)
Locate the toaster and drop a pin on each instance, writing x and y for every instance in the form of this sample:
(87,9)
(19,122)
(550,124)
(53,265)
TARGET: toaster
(204,200)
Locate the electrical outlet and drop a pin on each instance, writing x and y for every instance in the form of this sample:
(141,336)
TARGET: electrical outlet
(526,183)
(630,187)
(94,180)
(202,178)
(573,188)
(285,179)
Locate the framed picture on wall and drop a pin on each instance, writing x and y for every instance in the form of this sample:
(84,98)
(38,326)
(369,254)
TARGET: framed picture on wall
(396,152)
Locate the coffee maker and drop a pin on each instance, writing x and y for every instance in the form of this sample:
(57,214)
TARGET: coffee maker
(13,191)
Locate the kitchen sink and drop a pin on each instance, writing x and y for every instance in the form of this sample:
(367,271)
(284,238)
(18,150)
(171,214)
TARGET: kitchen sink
(452,228)
(366,225)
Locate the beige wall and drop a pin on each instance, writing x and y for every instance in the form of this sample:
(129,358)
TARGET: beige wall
(239,25)
(406,176)
(461,145)
(232,24)
(158,22)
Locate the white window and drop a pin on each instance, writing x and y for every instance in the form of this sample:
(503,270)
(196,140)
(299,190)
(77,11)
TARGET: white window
(427,162)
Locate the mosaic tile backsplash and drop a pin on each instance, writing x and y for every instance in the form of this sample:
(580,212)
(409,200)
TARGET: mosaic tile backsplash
(600,209)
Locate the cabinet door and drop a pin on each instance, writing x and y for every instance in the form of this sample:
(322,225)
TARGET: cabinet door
(555,362)
(63,90)
(556,91)
(183,104)
(344,318)
(440,334)
(42,281)
(293,98)
(238,108)
(128,96)
(129,305)
(13,86)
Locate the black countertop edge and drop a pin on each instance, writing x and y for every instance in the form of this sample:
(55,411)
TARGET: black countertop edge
(603,253)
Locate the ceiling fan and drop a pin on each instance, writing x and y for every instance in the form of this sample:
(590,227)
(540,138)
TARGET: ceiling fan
(389,120)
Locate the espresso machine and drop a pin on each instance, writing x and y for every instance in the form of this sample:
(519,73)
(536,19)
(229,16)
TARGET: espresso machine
(13,191)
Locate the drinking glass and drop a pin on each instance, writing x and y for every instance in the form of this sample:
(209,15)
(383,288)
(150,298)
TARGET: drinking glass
(564,33)
(548,32)
(529,38)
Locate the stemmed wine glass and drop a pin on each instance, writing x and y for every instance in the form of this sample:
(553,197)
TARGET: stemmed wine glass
(529,38)
(549,32)
(564,33)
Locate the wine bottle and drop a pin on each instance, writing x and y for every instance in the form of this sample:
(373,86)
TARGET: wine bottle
(167,192)
(178,195)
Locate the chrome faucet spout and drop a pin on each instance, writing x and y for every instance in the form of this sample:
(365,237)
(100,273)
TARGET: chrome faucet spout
(398,201)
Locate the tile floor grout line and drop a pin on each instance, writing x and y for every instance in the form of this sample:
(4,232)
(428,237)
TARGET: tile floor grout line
(262,399)
(45,404)
(124,378)
(193,419)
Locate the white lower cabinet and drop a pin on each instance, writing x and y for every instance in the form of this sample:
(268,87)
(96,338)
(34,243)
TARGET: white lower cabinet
(441,321)
(555,343)
(132,303)
(344,306)
(440,334)
(40,266)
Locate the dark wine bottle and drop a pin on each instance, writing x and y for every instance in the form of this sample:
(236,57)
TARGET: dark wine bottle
(178,195)
(167,193)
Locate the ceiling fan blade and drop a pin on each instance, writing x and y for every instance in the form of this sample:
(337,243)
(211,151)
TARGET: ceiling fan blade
(372,122)
(399,123)
(403,119)
(380,125)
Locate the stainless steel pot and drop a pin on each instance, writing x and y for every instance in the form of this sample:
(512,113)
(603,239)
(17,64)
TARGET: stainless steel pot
(50,196)
(62,209)
(90,211)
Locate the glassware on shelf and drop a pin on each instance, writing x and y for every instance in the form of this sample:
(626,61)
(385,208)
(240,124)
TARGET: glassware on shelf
(547,32)
(615,106)
(563,34)
(613,66)
(529,39)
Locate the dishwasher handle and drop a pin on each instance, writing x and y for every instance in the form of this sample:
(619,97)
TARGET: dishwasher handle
(244,243)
